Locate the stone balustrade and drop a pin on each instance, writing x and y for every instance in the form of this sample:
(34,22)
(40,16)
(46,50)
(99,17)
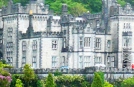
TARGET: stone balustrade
(75,71)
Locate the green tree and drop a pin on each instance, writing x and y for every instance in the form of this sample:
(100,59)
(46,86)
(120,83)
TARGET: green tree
(130,1)
(78,9)
(121,2)
(94,6)
(3,61)
(107,84)
(128,82)
(18,83)
(28,74)
(23,2)
(3,3)
(101,74)
(97,81)
(70,81)
(39,83)
(50,81)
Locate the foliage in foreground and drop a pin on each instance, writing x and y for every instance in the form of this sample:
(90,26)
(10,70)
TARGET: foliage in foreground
(18,83)
(50,81)
(107,84)
(28,74)
(97,81)
(128,82)
(71,81)
(5,77)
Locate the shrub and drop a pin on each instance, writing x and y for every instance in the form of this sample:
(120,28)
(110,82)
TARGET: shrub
(5,77)
(70,81)
(128,82)
(57,73)
(97,81)
(39,83)
(107,84)
(50,81)
(18,83)
(28,75)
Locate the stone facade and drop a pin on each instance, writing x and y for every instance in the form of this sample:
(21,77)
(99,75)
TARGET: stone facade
(31,34)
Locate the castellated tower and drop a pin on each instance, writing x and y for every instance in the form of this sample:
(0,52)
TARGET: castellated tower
(65,31)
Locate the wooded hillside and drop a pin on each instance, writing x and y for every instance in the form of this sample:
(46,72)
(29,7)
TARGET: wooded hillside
(76,7)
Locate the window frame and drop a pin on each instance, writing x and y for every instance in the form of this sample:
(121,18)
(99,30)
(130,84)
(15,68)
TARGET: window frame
(87,42)
(98,60)
(80,62)
(24,46)
(9,32)
(87,61)
(54,44)
(81,42)
(98,43)
(34,45)
(54,61)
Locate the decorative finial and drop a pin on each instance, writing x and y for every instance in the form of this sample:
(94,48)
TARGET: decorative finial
(30,12)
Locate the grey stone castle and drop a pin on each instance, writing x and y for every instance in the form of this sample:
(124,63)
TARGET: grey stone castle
(32,34)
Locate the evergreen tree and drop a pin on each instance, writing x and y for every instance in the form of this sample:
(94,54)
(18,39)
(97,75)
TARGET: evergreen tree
(18,83)
(28,74)
(97,82)
(50,81)
(101,74)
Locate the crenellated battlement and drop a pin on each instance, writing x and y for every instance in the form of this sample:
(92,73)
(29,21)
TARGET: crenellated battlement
(41,34)
(94,16)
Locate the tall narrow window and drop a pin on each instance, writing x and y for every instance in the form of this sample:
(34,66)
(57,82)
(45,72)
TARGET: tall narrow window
(87,42)
(124,26)
(34,45)
(108,43)
(11,61)
(112,61)
(98,24)
(24,46)
(127,42)
(9,49)
(80,62)
(54,45)
(34,62)
(9,32)
(98,43)
(64,42)
(63,60)
(81,42)
(64,32)
(86,61)
(54,61)
(23,61)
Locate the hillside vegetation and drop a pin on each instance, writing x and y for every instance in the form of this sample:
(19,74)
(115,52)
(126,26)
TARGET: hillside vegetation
(76,7)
